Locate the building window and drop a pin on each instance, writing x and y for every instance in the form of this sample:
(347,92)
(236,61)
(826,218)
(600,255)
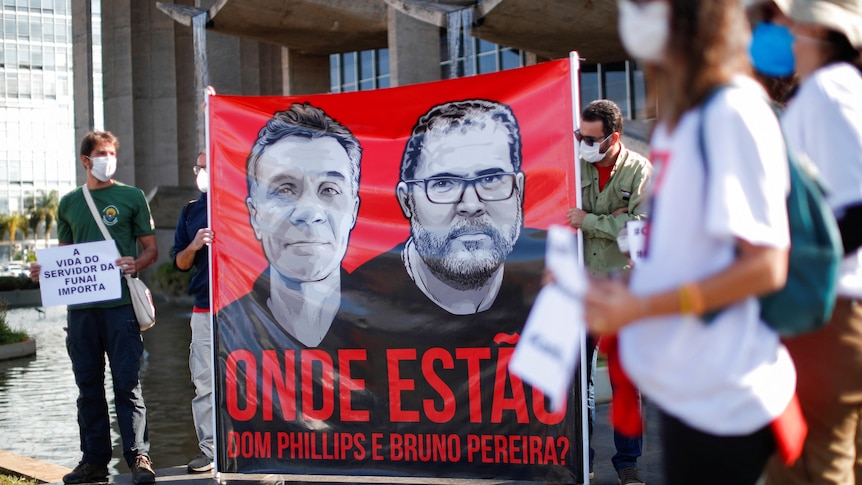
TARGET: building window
(484,57)
(621,82)
(359,71)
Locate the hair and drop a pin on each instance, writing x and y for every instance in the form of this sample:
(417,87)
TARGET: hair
(607,112)
(95,138)
(708,44)
(460,117)
(842,50)
(302,120)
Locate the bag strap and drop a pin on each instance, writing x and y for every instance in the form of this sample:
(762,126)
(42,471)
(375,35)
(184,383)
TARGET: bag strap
(95,212)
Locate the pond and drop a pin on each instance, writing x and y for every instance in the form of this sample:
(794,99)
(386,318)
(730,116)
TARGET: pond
(38,394)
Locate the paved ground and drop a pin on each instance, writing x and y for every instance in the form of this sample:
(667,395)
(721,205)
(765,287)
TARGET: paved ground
(650,465)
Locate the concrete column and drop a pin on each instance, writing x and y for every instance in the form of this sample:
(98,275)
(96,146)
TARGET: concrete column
(271,72)
(414,49)
(82,73)
(304,74)
(190,120)
(250,71)
(140,91)
(155,96)
(118,82)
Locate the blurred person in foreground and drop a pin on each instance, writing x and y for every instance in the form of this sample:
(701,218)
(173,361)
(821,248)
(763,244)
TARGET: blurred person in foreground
(770,49)
(823,123)
(718,238)
(191,250)
(613,180)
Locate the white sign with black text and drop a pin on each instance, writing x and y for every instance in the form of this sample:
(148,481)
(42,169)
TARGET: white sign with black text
(79,273)
(548,351)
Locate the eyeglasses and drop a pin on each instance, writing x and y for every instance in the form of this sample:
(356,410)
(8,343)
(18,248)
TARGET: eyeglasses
(449,190)
(197,169)
(590,139)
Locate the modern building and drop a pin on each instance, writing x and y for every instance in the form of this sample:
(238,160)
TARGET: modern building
(152,74)
(37,143)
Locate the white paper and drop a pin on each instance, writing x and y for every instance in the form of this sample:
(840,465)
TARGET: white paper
(79,273)
(637,236)
(548,352)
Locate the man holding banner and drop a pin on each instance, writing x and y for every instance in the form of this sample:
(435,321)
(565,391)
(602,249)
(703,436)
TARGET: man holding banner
(108,327)
(613,183)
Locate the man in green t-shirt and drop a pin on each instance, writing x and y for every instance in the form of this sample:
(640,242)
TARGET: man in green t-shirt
(108,327)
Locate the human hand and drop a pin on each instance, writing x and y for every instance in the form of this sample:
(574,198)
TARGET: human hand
(620,211)
(203,237)
(609,306)
(576,217)
(35,269)
(127,265)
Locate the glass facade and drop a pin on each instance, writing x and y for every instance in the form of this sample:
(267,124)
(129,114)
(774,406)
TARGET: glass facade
(359,71)
(621,82)
(37,146)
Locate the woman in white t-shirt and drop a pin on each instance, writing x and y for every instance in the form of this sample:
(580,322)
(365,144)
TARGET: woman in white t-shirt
(823,123)
(718,238)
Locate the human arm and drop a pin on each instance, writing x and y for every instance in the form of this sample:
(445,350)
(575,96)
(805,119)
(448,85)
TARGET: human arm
(148,255)
(185,259)
(757,270)
(621,201)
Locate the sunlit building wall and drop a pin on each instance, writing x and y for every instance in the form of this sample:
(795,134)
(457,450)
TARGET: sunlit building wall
(37,146)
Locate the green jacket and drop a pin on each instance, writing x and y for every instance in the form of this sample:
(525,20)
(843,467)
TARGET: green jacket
(624,189)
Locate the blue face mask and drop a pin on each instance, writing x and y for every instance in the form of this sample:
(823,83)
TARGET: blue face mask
(771,50)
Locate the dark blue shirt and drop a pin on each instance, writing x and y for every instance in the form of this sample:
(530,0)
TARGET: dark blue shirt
(192,218)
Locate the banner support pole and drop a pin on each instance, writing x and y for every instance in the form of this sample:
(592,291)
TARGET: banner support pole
(574,74)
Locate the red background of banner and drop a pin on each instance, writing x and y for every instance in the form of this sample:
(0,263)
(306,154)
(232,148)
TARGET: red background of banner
(540,96)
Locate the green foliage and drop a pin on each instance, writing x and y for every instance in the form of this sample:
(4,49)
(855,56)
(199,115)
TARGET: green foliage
(14,480)
(7,335)
(10,283)
(170,282)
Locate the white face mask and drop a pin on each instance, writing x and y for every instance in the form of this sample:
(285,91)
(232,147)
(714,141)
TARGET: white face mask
(203,180)
(103,167)
(644,29)
(592,154)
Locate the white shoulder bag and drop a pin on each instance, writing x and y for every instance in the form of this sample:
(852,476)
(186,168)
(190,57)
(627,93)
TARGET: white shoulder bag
(142,299)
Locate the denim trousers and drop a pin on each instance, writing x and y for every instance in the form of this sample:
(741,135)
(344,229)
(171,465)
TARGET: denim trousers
(92,334)
(628,449)
(200,366)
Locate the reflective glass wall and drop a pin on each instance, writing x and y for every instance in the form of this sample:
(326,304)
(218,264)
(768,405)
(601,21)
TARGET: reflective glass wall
(37,146)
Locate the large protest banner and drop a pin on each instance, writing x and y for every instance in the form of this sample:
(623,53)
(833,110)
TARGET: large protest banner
(376,255)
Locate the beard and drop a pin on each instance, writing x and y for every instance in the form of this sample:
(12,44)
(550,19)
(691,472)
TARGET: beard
(468,267)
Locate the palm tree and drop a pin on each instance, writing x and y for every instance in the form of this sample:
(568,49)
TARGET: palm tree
(48,204)
(17,223)
(4,225)
(36,216)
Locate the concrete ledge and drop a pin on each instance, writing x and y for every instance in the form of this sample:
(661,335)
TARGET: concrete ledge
(22,298)
(31,468)
(20,349)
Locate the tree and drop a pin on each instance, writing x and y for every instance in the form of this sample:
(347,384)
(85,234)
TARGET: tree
(18,223)
(36,217)
(4,225)
(47,205)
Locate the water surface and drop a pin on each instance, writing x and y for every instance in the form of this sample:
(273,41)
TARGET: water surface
(38,415)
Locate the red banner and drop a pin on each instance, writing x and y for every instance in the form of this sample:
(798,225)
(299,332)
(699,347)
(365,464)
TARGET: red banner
(376,257)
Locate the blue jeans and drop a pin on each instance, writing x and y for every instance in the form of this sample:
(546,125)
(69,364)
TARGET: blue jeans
(92,334)
(628,450)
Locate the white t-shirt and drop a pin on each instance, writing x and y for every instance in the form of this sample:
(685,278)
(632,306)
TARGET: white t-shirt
(823,122)
(731,376)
